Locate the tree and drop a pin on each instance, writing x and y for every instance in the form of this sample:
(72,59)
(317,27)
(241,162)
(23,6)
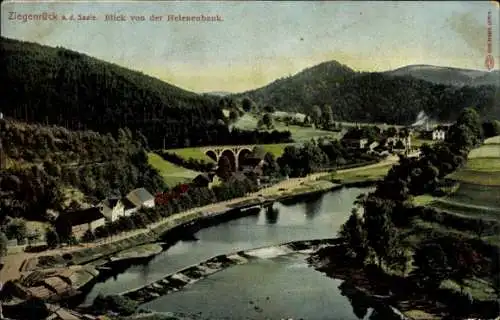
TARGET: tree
(233,116)
(327,115)
(355,235)
(491,128)
(270,167)
(480,227)
(88,236)
(285,170)
(247,104)
(391,132)
(269,109)
(3,244)
(224,169)
(381,233)
(316,114)
(267,120)
(52,238)
(16,229)
(470,118)
(431,265)
(464,261)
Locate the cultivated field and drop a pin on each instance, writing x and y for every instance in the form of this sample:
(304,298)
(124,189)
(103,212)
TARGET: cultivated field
(417,142)
(361,174)
(195,153)
(477,195)
(483,165)
(171,173)
(299,134)
(493,140)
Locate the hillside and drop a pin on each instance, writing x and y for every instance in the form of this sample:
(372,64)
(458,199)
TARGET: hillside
(50,167)
(373,97)
(448,76)
(288,94)
(62,87)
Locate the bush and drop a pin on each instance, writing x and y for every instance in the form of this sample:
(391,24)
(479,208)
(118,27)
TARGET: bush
(115,303)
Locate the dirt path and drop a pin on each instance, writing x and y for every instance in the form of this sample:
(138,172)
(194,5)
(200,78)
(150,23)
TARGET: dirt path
(13,262)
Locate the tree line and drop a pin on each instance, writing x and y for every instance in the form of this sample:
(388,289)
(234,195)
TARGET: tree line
(373,231)
(319,156)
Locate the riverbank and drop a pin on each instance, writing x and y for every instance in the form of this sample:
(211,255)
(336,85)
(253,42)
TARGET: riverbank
(398,291)
(176,281)
(24,263)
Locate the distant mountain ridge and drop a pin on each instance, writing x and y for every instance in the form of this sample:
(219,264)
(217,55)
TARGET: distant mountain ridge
(448,75)
(395,96)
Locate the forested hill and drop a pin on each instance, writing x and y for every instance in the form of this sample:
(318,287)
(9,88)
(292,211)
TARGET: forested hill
(448,75)
(293,93)
(373,97)
(62,87)
(49,167)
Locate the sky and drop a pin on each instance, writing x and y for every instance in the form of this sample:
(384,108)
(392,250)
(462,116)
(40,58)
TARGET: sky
(259,42)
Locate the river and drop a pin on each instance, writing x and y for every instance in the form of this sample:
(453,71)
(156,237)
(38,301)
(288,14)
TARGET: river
(318,217)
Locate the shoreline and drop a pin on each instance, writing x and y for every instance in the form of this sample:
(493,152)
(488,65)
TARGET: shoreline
(188,275)
(87,253)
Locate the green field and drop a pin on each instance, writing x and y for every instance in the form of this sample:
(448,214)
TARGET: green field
(360,174)
(417,142)
(483,165)
(171,173)
(299,134)
(195,153)
(493,140)
(486,151)
(477,195)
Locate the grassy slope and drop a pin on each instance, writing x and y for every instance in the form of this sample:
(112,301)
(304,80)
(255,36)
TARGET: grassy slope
(172,174)
(483,166)
(361,174)
(299,134)
(476,197)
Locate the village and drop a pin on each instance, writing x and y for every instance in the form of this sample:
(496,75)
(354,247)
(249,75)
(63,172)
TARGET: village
(381,141)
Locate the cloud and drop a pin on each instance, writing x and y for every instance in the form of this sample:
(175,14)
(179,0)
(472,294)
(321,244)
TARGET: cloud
(473,32)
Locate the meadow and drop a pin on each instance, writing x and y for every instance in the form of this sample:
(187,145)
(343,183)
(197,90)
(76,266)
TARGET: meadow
(478,186)
(361,174)
(171,173)
(299,134)
(483,165)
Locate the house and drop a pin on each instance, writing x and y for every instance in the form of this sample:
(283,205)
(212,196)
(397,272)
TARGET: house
(128,207)
(141,198)
(112,208)
(438,134)
(81,220)
(203,180)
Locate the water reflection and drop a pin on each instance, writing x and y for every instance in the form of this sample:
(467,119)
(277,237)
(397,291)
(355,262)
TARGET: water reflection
(272,215)
(359,302)
(313,206)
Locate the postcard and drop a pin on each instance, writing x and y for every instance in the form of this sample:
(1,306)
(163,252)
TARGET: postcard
(318,160)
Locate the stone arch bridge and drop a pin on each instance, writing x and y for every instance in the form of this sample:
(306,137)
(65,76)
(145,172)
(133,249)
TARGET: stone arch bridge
(234,153)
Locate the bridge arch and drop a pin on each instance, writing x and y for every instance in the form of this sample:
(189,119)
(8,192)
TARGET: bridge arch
(212,155)
(229,154)
(234,153)
(242,154)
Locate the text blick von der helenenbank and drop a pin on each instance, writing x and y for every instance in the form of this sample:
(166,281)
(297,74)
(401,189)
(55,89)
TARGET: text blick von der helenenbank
(53,16)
